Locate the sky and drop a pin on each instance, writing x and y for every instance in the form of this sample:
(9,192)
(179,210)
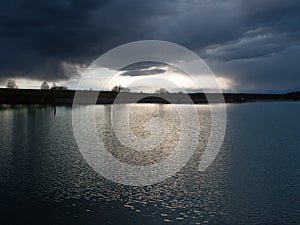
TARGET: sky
(251,46)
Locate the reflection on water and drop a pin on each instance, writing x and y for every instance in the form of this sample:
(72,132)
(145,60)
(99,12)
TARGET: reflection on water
(254,179)
(140,118)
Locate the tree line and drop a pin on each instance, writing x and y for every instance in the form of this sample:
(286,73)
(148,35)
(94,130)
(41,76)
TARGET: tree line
(11,84)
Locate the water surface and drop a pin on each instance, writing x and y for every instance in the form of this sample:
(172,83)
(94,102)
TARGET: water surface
(254,179)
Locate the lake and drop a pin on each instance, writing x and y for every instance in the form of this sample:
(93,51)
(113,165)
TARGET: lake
(255,178)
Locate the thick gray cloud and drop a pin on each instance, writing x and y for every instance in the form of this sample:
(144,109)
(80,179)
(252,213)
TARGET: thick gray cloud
(144,69)
(134,73)
(143,65)
(254,43)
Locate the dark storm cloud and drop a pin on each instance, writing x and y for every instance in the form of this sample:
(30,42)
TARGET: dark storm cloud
(255,43)
(144,69)
(133,73)
(143,65)
(40,38)
(50,39)
(274,72)
(265,57)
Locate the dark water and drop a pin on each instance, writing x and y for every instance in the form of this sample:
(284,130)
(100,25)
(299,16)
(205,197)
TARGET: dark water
(255,179)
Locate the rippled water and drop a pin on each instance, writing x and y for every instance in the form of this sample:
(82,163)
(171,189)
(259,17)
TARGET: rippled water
(254,179)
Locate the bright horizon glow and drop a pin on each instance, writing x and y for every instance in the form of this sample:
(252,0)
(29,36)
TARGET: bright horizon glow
(135,83)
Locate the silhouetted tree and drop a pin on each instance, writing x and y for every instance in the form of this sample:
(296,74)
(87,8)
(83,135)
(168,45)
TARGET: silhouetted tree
(59,88)
(55,87)
(119,88)
(45,86)
(161,91)
(11,84)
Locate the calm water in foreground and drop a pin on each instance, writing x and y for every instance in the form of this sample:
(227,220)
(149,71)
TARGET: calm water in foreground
(255,178)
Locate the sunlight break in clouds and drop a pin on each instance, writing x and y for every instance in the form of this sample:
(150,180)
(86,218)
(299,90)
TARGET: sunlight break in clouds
(137,80)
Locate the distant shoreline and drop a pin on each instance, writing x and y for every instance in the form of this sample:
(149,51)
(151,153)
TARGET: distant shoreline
(65,97)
